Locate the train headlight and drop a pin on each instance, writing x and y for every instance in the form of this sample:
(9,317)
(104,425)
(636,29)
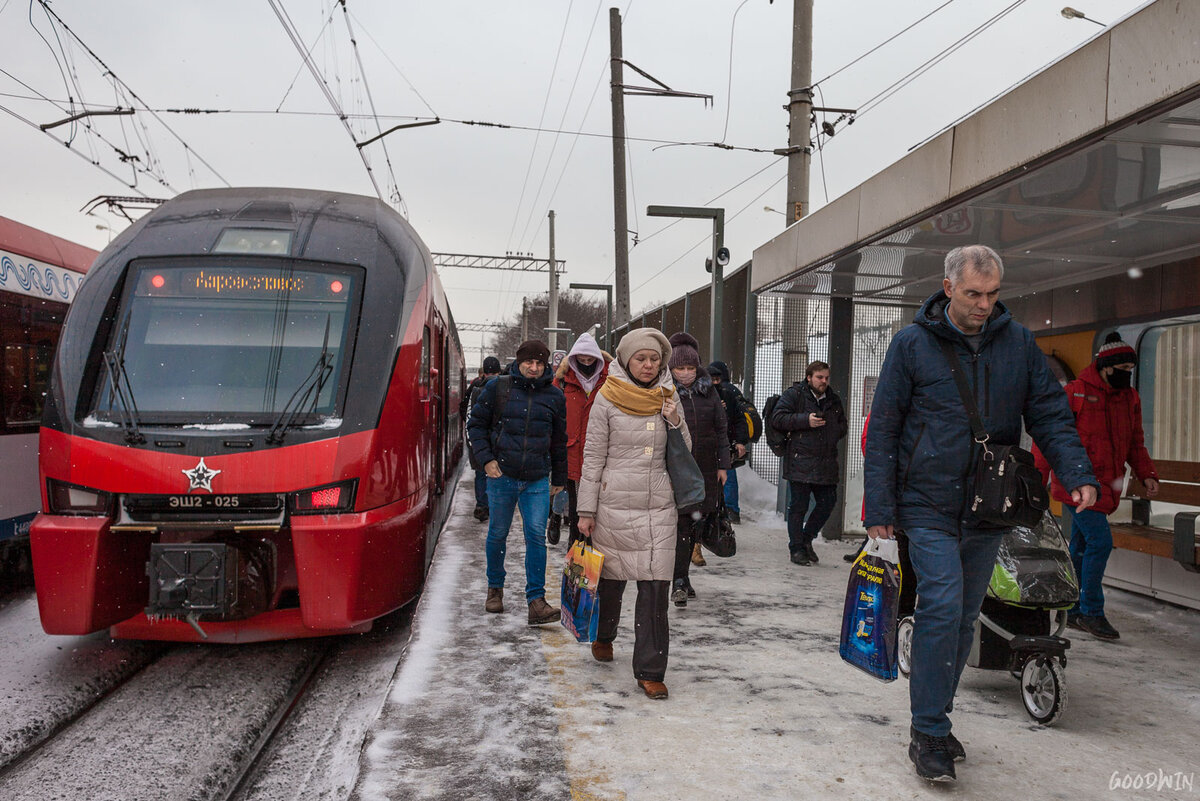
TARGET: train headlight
(326,500)
(72,499)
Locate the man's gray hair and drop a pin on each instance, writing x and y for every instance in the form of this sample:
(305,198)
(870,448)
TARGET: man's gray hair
(980,258)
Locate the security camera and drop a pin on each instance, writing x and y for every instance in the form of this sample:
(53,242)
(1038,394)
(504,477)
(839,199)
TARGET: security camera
(722,256)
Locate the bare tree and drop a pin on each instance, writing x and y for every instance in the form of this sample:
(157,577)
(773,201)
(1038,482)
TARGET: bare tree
(575,312)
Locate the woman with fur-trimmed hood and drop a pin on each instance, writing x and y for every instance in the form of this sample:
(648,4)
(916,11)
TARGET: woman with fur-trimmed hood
(580,376)
(626,504)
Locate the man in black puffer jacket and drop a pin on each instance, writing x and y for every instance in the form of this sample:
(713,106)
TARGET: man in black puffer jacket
(813,416)
(523,449)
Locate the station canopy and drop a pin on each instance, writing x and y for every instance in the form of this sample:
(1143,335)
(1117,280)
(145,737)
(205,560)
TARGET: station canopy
(1090,169)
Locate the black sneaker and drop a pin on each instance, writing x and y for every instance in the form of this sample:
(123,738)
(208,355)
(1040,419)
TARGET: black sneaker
(1073,621)
(687,583)
(480,513)
(956,748)
(1099,627)
(734,517)
(932,756)
(679,594)
(812,554)
(553,529)
(801,558)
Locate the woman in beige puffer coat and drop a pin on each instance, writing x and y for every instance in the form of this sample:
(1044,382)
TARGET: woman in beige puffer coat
(626,503)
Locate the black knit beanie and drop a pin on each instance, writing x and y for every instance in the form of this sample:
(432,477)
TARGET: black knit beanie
(1114,352)
(685,351)
(533,349)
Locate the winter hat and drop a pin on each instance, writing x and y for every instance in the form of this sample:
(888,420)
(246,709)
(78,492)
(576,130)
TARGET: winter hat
(586,346)
(533,349)
(1114,352)
(686,351)
(491,366)
(642,339)
(719,370)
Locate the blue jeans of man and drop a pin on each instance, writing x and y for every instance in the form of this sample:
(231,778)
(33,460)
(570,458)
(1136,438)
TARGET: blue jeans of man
(802,532)
(481,496)
(1091,545)
(953,569)
(505,494)
(731,491)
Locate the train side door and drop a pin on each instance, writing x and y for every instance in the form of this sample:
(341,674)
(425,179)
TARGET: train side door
(437,405)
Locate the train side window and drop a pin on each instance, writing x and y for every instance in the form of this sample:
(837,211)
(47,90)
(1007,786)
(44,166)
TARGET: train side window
(425,353)
(1169,363)
(29,329)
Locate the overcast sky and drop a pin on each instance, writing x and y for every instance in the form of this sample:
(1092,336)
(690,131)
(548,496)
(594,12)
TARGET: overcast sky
(531,63)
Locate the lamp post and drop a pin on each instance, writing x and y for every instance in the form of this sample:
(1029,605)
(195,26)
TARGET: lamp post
(1072,13)
(608,300)
(720,258)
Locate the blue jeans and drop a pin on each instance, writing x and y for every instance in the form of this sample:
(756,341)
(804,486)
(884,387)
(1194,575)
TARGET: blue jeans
(731,492)
(504,496)
(481,496)
(1091,544)
(952,577)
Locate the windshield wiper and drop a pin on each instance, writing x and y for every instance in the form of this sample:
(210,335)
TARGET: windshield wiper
(311,386)
(122,389)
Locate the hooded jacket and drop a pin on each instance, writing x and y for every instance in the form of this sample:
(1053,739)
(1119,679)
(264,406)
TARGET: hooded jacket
(812,453)
(708,426)
(919,444)
(731,397)
(1109,422)
(579,402)
(625,485)
(530,440)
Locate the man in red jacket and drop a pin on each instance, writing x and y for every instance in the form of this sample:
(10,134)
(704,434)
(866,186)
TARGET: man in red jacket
(1108,416)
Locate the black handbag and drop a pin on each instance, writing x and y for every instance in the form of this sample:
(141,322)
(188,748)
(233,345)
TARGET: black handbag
(1006,487)
(687,481)
(716,532)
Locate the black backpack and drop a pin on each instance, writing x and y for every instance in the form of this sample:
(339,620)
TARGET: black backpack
(777,440)
(753,421)
(503,388)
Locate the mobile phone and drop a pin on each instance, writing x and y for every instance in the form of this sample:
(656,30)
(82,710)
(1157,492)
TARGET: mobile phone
(819,415)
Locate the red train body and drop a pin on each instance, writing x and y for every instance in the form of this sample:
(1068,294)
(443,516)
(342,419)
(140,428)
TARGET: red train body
(252,423)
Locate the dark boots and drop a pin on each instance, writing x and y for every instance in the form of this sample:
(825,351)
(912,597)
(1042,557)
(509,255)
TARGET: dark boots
(541,613)
(495,600)
(553,529)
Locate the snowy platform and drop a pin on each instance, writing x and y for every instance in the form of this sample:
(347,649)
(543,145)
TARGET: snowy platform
(761,706)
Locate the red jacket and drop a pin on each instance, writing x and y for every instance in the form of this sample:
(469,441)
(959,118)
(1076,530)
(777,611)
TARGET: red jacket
(579,407)
(1109,422)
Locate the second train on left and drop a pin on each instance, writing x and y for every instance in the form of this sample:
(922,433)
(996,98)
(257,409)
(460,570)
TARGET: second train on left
(252,424)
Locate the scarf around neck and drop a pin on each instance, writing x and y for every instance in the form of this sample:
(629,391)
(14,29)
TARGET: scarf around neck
(635,400)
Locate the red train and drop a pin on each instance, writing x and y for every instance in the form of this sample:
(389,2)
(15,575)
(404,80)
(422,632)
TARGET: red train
(252,423)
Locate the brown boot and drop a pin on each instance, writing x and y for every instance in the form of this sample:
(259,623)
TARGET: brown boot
(541,612)
(495,599)
(698,556)
(602,651)
(653,689)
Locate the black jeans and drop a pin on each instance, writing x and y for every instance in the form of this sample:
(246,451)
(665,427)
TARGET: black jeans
(651,635)
(802,532)
(685,538)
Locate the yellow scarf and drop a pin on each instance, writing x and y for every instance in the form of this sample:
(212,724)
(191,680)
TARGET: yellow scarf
(634,400)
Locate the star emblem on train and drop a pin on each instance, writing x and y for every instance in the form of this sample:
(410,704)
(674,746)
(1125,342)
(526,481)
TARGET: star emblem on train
(200,476)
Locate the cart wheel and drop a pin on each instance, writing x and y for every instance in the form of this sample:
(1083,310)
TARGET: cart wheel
(904,635)
(1043,689)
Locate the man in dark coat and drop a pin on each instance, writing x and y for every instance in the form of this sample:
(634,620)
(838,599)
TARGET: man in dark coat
(920,453)
(523,449)
(813,416)
(739,433)
(491,369)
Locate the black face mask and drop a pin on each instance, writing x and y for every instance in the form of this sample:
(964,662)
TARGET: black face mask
(586,370)
(1120,379)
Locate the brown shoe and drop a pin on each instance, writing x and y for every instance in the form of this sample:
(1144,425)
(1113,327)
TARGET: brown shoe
(697,556)
(495,599)
(541,612)
(602,651)
(653,689)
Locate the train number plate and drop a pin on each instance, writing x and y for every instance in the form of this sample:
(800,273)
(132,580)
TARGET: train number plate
(203,503)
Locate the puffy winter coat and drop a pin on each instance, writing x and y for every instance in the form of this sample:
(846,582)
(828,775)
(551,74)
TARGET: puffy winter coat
(579,408)
(812,453)
(530,440)
(919,444)
(731,396)
(1109,422)
(708,425)
(625,486)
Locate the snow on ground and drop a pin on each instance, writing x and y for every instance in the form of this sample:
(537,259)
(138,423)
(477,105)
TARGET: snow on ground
(761,706)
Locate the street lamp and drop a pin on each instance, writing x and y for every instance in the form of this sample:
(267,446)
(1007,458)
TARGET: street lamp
(777,211)
(720,258)
(1072,13)
(608,293)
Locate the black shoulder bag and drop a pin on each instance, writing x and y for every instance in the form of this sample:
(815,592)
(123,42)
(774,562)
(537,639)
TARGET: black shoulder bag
(1006,488)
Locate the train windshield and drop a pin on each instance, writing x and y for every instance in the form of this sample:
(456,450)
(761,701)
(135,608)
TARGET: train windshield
(211,343)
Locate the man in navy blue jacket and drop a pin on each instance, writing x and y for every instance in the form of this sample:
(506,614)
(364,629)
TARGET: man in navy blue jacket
(522,445)
(919,453)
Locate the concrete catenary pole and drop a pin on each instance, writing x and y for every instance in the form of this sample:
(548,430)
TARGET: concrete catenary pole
(620,213)
(552,312)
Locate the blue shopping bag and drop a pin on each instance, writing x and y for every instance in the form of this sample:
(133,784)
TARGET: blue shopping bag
(869,616)
(580,610)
